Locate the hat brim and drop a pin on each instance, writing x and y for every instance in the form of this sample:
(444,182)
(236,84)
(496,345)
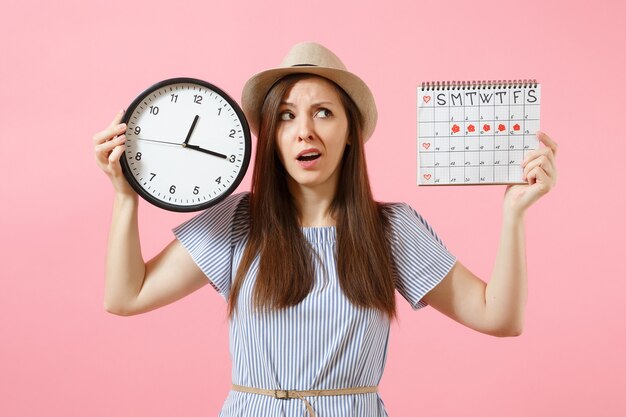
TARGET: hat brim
(257,87)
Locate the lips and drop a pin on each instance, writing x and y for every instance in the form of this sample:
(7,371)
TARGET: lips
(308,155)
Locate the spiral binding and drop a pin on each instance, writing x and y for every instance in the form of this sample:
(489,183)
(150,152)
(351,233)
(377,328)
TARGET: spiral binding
(477,85)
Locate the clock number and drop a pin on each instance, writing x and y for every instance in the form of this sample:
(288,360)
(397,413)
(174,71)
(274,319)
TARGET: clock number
(138,156)
(174,98)
(219,111)
(154,110)
(218,180)
(232,158)
(197,99)
(137,130)
(153,175)
(196,190)
(232,133)
(172,189)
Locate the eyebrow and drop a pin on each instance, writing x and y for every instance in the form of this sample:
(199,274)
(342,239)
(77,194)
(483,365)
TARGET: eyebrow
(319,103)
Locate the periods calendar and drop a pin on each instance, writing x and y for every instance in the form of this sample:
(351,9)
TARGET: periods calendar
(476,132)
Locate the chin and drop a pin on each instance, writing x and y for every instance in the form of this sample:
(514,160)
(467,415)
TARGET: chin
(310,181)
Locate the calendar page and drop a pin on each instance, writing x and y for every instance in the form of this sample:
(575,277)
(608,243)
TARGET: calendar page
(476,133)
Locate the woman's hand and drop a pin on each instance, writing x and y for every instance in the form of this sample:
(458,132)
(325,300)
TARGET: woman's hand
(540,172)
(109,146)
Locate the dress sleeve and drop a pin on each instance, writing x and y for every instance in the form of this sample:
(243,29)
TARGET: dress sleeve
(210,238)
(420,259)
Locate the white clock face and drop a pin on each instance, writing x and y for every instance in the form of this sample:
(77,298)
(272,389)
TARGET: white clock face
(187,146)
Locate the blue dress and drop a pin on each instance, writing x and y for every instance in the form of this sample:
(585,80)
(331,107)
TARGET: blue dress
(324,342)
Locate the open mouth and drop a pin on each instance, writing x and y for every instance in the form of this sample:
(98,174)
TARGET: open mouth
(309,156)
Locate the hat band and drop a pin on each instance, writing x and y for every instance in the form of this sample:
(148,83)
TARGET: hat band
(304,65)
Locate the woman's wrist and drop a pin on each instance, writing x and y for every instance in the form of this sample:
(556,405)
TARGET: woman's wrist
(510,216)
(124,198)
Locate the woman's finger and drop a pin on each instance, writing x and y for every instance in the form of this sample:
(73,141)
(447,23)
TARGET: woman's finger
(114,157)
(107,147)
(114,128)
(104,150)
(109,133)
(548,141)
(536,153)
(541,161)
(532,175)
(541,178)
(548,153)
(117,119)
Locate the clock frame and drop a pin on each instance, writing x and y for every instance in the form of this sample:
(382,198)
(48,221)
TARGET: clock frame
(192,136)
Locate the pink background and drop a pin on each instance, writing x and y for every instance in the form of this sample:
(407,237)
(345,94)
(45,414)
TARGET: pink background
(68,66)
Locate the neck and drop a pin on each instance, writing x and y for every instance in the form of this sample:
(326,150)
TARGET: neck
(313,204)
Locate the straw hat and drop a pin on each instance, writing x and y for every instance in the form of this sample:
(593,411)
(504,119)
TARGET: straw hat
(309,58)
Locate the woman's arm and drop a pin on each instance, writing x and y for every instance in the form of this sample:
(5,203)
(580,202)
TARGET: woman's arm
(507,291)
(498,308)
(132,286)
(125,267)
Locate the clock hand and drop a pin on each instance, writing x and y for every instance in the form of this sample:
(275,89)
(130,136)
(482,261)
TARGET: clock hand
(193,125)
(197,148)
(160,141)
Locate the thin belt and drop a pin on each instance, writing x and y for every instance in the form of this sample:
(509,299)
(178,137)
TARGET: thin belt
(289,394)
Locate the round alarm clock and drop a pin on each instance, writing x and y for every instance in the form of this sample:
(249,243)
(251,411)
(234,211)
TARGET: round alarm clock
(187,145)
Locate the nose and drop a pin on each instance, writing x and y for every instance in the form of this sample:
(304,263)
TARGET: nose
(305,128)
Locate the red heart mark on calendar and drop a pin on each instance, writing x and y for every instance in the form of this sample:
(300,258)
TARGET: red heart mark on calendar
(516,127)
(471,128)
(501,127)
(427,176)
(455,129)
(486,127)
(426,99)
(426,145)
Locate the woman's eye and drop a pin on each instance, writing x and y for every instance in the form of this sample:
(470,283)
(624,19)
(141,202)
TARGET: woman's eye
(286,115)
(324,113)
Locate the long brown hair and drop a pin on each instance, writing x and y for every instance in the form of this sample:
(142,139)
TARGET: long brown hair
(286,268)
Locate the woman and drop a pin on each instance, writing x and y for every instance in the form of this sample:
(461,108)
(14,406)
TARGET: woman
(308,261)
